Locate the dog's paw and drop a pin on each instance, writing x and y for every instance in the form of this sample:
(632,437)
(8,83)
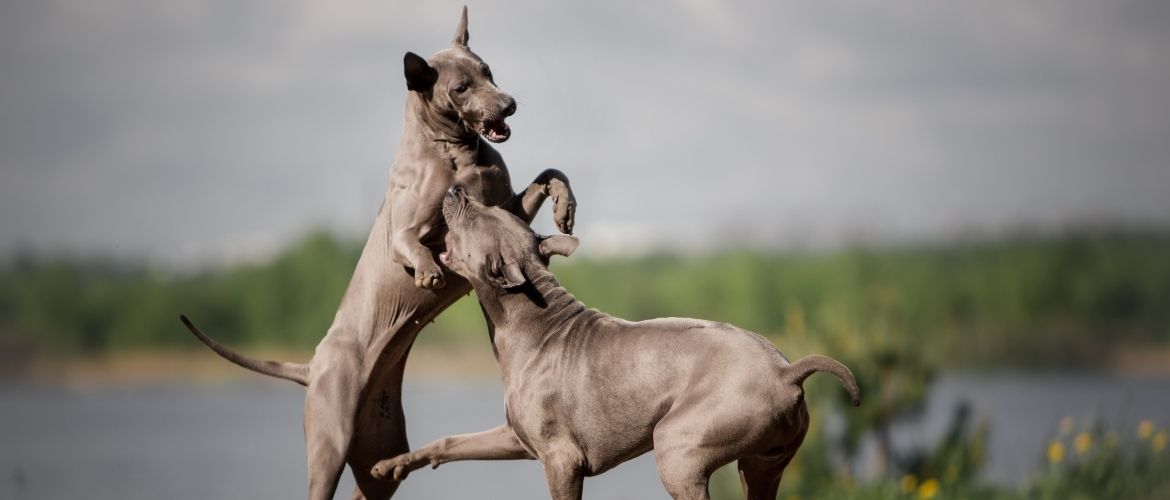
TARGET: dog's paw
(394,469)
(564,209)
(430,277)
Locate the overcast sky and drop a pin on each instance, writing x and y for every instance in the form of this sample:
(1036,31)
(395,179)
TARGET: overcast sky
(224,128)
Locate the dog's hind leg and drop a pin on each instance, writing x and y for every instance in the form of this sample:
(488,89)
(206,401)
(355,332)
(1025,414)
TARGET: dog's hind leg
(380,429)
(379,422)
(327,445)
(330,401)
(760,476)
(684,475)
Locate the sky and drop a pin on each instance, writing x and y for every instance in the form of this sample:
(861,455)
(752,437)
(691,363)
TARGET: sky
(225,129)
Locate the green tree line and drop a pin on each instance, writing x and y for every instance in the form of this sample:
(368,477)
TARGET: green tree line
(1035,301)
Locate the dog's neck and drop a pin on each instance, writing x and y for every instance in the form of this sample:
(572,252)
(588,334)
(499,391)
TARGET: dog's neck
(524,316)
(436,126)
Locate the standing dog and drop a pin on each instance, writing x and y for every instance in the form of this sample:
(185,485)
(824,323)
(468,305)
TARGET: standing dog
(585,391)
(353,405)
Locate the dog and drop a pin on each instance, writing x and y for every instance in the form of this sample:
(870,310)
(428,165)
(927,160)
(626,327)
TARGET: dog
(585,391)
(353,405)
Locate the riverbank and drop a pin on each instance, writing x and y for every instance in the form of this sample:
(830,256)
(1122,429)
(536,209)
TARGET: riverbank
(458,361)
(455,360)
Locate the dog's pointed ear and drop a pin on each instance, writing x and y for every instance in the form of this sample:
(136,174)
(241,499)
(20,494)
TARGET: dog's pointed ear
(420,76)
(558,244)
(461,35)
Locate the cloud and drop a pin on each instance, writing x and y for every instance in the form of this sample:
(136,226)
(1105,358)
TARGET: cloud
(191,129)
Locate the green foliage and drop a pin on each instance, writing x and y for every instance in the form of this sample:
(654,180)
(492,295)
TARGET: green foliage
(1057,301)
(1090,465)
(1096,464)
(64,306)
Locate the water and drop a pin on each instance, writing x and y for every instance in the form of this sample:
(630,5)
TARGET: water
(1024,412)
(244,439)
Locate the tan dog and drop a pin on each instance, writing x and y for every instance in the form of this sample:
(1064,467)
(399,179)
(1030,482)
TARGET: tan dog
(353,406)
(585,391)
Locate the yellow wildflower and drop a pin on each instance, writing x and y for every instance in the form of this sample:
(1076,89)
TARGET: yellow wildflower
(909,483)
(1145,429)
(1083,443)
(1066,426)
(928,488)
(1056,452)
(1159,442)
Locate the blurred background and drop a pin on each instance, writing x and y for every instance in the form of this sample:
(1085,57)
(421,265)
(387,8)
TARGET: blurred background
(967,203)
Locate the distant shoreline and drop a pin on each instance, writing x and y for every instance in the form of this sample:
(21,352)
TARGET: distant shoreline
(427,360)
(151,366)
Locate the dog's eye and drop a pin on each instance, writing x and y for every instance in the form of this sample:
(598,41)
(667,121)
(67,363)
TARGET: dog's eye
(461,87)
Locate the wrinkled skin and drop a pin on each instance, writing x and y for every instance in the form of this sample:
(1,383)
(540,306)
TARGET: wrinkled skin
(353,407)
(585,391)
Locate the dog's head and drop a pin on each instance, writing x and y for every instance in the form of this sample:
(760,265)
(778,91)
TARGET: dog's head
(459,86)
(493,248)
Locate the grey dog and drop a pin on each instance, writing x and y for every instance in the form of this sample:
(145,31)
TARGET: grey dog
(585,391)
(353,405)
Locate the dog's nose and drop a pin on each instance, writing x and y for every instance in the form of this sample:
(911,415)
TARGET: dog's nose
(509,107)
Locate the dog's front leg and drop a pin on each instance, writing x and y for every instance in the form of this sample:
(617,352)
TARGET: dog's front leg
(409,220)
(410,252)
(499,443)
(552,183)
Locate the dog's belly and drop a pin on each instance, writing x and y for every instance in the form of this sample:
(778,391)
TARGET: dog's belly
(608,419)
(602,444)
(379,425)
(615,422)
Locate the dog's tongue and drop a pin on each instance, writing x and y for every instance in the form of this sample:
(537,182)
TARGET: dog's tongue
(497,131)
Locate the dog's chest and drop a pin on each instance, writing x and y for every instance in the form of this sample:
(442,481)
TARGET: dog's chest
(533,398)
(489,183)
(533,416)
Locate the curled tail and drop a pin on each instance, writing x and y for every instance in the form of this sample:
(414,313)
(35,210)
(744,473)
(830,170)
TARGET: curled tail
(808,365)
(295,372)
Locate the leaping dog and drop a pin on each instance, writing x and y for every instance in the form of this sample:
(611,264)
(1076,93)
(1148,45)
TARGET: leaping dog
(353,405)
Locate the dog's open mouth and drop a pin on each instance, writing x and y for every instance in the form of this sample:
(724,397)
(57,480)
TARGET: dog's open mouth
(496,130)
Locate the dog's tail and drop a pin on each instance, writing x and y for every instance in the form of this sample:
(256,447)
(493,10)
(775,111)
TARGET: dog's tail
(295,372)
(808,365)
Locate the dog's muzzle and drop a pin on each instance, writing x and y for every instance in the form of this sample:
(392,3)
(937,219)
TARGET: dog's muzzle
(496,129)
(453,203)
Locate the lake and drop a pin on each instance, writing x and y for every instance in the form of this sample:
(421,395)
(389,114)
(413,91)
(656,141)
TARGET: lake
(243,439)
